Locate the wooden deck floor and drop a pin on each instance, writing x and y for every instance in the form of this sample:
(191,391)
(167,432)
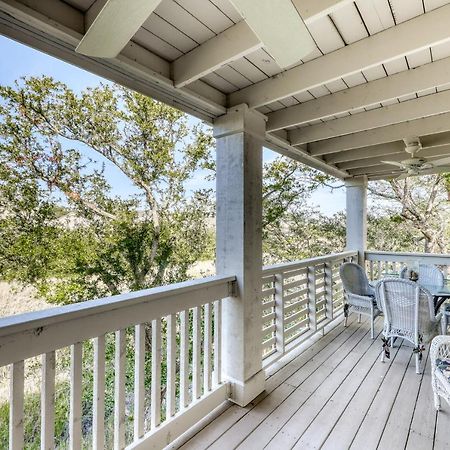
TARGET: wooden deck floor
(337,395)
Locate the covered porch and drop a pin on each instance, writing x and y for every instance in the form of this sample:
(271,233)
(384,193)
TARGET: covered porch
(254,356)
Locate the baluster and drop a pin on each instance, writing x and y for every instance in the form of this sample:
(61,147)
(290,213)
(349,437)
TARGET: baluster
(196,361)
(184,359)
(279,312)
(171,365)
(379,269)
(371,270)
(119,390)
(312,298)
(17,375)
(328,272)
(217,342)
(156,374)
(76,377)
(98,418)
(48,401)
(139,379)
(207,348)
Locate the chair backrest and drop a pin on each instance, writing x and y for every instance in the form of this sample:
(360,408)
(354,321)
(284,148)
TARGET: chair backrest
(429,275)
(408,307)
(354,279)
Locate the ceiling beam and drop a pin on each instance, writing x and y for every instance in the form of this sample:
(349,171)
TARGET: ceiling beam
(419,127)
(379,150)
(237,41)
(233,43)
(387,148)
(111,24)
(315,9)
(277,35)
(428,105)
(380,168)
(429,153)
(403,83)
(280,145)
(384,150)
(418,33)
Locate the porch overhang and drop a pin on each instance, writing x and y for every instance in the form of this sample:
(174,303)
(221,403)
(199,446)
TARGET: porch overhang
(373,81)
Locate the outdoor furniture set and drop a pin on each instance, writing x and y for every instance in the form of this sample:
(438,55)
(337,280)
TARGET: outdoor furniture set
(414,307)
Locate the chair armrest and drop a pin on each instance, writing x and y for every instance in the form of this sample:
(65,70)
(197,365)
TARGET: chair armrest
(440,348)
(359,300)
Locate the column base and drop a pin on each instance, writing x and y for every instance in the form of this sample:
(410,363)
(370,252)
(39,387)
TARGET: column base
(243,393)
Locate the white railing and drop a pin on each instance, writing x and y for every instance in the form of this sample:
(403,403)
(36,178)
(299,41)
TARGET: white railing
(299,299)
(152,357)
(380,264)
(151,360)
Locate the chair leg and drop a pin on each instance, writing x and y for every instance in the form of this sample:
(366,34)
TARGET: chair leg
(437,401)
(417,363)
(392,342)
(359,318)
(372,328)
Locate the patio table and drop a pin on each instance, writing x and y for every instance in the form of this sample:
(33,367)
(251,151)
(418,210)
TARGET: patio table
(440,293)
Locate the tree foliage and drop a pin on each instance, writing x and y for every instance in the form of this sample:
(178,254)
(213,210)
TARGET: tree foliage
(419,208)
(54,147)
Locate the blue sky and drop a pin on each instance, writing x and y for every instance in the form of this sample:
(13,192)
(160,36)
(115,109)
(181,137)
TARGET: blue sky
(25,61)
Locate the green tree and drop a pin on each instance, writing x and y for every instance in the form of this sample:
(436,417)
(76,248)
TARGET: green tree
(419,208)
(292,229)
(61,226)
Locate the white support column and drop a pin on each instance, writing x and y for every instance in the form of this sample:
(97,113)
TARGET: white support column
(357,215)
(240,134)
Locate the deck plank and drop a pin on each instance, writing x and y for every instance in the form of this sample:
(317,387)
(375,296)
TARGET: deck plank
(372,427)
(299,422)
(337,395)
(441,438)
(395,433)
(346,426)
(306,382)
(421,432)
(319,429)
(213,431)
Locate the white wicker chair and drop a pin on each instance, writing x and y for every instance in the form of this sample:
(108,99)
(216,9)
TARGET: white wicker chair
(429,275)
(408,314)
(359,295)
(440,369)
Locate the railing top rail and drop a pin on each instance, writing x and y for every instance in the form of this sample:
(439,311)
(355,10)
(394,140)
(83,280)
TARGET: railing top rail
(402,256)
(51,316)
(276,268)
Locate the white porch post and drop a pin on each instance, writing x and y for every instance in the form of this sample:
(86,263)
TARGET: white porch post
(356,203)
(240,135)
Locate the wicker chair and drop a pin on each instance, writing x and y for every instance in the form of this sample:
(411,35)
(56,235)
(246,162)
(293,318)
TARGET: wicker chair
(429,275)
(408,314)
(440,369)
(359,295)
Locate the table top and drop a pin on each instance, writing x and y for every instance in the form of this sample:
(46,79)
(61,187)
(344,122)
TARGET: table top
(438,291)
(435,290)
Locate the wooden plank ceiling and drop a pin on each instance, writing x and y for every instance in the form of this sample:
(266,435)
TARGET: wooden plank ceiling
(380,72)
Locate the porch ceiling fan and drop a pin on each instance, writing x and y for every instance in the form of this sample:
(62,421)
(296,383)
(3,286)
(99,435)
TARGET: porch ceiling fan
(279,27)
(416,165)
